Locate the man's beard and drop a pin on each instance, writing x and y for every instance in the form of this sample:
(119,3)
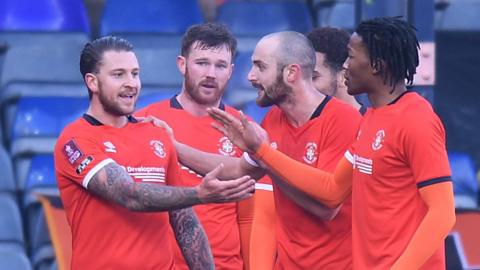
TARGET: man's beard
(110,106)
(194,92)
(274,94)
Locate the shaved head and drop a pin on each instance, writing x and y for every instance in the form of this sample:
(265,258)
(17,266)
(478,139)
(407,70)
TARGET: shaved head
(291,47)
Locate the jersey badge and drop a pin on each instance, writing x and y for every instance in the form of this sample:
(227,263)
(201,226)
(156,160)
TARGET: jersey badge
(311,153)
(377,142)
(226,147)
(274,145)
(109,147)
(72,152)
(158,148)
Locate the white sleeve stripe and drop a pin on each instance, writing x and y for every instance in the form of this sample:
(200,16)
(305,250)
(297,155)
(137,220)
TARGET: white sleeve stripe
(249,160)
(94,170)
(349,156)
(261,186)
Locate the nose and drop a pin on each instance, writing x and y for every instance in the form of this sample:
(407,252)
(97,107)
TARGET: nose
(345,64)
(211,73)
(133,81)
(251,76)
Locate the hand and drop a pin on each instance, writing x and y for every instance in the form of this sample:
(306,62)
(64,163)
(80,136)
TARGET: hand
(158,123)
(245,134)
(213,190)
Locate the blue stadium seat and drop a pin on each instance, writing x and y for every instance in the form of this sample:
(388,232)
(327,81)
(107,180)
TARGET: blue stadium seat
(14,260)
(339,13)
(39,120)
(152,97)
(11,230)
(465,185)
(239,89)
(249,21)
(43,15)
(40,178)
(458,15)
(7,181)
(159,70)
(151,23)
(256,112)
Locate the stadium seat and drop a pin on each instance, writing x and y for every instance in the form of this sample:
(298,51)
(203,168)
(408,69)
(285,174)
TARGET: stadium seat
(38,71)
(239,89)
(159,71)
(458,15)
(40,179)
(39,120)
(337,13)
(43,15)
(465,185)
(11,230)
(254,111)
(152,97)
(7,181)
(152,23)
(249,21)
(14,260)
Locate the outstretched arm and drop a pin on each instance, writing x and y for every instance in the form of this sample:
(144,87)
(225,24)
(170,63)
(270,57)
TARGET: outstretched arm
(114,184)
(191,239)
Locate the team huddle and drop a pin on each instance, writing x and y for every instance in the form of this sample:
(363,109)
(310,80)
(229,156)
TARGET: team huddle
(322,183)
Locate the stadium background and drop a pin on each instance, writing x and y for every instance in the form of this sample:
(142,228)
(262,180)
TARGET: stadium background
(41,89)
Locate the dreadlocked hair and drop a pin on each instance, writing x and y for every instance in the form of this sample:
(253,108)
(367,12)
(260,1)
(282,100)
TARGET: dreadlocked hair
(391,41)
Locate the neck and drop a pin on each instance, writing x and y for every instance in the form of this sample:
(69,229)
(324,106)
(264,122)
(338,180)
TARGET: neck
(193,107)
(300,104)
(106,118)
(383,95)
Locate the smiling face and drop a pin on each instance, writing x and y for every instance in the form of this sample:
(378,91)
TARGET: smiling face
(267,76)
(358,70)
(206,72)
(117,82)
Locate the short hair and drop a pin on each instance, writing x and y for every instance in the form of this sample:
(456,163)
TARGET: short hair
(333,43)
(294,48)
(208,36)
(92,53)
(392,41)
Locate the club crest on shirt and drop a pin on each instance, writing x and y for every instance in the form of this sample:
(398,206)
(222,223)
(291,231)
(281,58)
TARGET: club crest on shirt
(274,145)
(377,142)
(311,153)
(72,152)
(226,147)
(158,148)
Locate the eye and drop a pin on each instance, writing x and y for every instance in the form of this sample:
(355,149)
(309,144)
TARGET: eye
(222,66)
(117,74)
(135,74)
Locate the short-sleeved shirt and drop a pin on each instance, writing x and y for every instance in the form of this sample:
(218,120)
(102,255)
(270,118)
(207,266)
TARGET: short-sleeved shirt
(304,240)
(218,220)
(400,148)
(106,235)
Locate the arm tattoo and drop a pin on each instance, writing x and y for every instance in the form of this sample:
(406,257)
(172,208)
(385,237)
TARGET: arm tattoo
(114,184)
(191,239)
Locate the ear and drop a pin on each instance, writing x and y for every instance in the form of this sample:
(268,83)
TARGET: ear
(92,82)
(292,73)
(378,66)
(182,64)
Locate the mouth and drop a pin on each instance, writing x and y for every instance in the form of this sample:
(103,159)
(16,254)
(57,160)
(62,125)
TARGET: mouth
(209,85)
(128,96)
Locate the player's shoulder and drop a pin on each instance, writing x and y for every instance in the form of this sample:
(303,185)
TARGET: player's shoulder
(415,107)
(154,108)
(339,110)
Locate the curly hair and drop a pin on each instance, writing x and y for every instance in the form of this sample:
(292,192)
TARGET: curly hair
(333,43)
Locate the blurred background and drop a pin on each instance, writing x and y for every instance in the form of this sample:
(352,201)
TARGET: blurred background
(41,90)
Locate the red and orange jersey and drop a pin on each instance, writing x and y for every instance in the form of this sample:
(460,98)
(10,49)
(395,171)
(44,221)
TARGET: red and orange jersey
(304,240)
(106,235)
(218,220)
(400,148)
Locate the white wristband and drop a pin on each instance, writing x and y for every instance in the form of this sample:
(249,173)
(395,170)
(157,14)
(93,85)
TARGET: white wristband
(249,160)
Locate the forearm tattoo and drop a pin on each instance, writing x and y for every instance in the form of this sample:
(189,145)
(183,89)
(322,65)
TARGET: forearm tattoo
(114,184)
(191,239)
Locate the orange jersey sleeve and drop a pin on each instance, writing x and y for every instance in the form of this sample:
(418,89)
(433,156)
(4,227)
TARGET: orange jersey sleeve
(245,219)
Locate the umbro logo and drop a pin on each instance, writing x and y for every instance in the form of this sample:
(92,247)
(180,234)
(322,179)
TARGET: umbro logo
(109,147)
